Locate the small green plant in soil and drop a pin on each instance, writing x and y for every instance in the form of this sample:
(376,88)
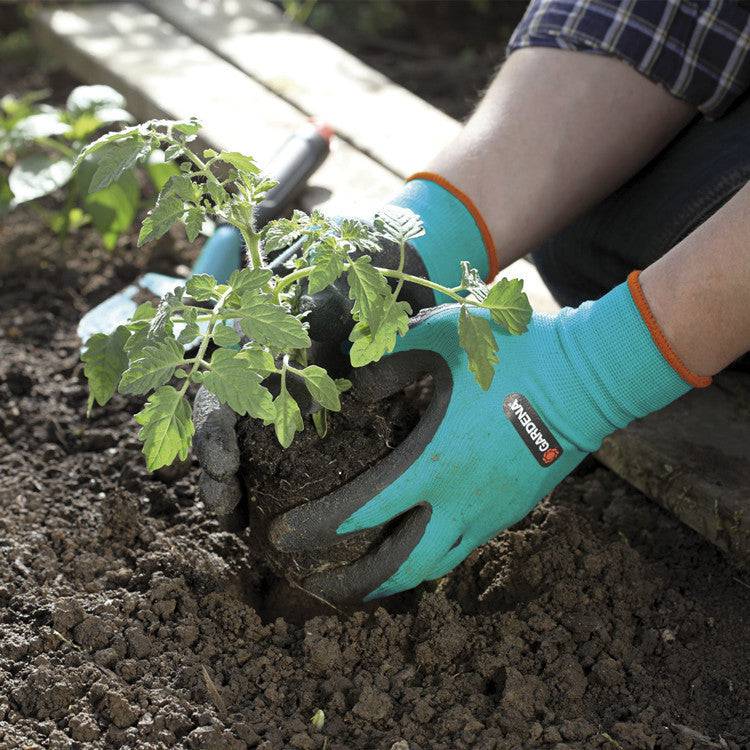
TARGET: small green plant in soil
(39,145)
(147,356)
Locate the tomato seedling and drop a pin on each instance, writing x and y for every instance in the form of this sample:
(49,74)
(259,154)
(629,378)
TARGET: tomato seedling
(147,355)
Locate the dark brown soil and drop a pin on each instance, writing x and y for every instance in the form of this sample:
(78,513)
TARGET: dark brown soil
(128,618)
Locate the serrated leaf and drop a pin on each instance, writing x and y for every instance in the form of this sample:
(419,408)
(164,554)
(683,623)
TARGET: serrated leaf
(369,290)
(201,286)
(240,161)
(328,265)
(398,224)
(281,233)
(287,419)
(271,325)
(234,382)
(190,330)
(104,362)
(186,127)
(224,335)
(509,305)
(167,427)
(152,367)
(260,360)
(37,175)
(477,340)
(358,235)
(193,223)
(247,280)
(161,324)
(144,311)
(167,211)
(322,387)
(215,191)
(107,140)
(116,160)
(369,347)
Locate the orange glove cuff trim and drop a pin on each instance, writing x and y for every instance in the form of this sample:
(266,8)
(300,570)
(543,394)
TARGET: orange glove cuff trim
(489,245)
(696,381)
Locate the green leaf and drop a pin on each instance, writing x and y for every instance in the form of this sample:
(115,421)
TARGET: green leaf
(260,360)
(161,324)
(168,209)
(287,418)
(6,194)
(36,175)
(358,235)
(281,233)
(193,223)
(370,347)
(328,266)
(322,387)
(476,338)
(369,290)
(152,367)
(117,159)
(509,305)
(191,330)
(271,325)
(234,382)
(186,127)
(240,162)
(398,224)
(167,427)
(104,362)
(247,280)
(41,125)
(83,98)
(343,384)
(201,286)
(224,335)
(114,209)
(108,140)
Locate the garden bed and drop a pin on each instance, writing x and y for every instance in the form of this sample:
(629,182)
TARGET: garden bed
(129,617)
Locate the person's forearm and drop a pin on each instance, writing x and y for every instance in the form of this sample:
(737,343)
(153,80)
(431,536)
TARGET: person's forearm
(556,132)
(699,292)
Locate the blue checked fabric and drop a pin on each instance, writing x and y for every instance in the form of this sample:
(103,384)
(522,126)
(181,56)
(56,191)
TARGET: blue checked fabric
(698,49)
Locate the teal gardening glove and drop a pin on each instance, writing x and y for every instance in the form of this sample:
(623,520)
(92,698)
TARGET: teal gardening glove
(479,461)
(454,231)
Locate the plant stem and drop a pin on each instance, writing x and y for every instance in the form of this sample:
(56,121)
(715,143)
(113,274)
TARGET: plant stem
(253,249)
(198,359)
(447,291)
(61,148)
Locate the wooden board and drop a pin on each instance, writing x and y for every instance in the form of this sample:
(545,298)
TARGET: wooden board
(382,119)
(692,458)
(162,72)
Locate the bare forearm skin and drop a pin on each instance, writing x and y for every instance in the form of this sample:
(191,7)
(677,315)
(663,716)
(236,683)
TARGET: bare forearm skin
(556,132)
(699,291)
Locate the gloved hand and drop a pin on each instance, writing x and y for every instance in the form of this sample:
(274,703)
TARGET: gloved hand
(454,231)
(478,461)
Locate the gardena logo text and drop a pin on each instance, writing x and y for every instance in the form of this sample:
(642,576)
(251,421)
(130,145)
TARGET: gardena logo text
(534,433)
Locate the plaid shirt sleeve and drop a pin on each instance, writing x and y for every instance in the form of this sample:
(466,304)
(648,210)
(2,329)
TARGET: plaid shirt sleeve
(699,50)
